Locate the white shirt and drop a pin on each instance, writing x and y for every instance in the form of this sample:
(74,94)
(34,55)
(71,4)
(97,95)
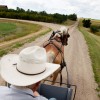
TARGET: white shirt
(14,93)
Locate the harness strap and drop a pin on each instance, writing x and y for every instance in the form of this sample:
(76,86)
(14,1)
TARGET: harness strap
(60,78)
(63,63)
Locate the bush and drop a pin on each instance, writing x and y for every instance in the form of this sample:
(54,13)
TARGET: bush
(94,28)
(86,23)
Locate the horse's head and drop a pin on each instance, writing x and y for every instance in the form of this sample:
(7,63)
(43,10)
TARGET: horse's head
(62,34)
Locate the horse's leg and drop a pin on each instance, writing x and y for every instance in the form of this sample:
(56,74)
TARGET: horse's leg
(55,75)
(57,61)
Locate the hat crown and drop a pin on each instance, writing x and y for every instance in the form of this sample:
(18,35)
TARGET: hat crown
(32,60)
(33,54)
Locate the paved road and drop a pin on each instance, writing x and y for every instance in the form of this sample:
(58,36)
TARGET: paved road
(78,62)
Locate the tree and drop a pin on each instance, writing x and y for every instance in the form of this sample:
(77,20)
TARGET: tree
(43,13)
(20,9)
(72,17)
(86,23)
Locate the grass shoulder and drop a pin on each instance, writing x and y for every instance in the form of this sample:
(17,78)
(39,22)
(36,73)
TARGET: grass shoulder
(93,42)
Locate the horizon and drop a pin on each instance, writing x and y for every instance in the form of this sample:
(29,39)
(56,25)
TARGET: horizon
(66,7)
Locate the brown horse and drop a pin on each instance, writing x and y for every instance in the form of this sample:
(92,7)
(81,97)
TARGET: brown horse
(55,49)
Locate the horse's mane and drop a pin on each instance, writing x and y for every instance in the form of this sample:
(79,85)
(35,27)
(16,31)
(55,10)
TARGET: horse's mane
(62,30)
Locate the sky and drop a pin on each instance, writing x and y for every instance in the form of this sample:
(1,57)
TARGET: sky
(83,8)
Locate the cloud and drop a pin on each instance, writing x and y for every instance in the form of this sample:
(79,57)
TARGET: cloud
(83,8)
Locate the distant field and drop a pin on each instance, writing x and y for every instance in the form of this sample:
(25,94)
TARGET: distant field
(20,31)
(93,42)
(93,23)
(96,23)
(14,29)
(69,22)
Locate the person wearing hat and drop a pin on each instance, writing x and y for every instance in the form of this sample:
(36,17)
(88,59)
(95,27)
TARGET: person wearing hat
(24,71)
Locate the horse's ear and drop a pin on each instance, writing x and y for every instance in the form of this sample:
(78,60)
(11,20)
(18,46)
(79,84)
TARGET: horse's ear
(53,33)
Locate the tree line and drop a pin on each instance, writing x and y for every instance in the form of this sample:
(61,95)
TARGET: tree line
(20,13)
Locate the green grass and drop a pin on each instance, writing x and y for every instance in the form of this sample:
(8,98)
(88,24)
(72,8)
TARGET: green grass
(3,52)
(14,29)
(17,45)
(93,42)
(43,33)
(5,26)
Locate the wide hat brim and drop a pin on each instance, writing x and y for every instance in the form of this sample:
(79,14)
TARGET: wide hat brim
(10,74)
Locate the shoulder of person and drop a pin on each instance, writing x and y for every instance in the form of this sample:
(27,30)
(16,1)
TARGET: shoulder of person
(4,88)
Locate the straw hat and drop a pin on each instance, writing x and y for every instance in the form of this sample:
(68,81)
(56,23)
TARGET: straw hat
(26,68)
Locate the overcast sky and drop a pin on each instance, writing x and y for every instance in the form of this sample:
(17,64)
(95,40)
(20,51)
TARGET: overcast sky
(83,8)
